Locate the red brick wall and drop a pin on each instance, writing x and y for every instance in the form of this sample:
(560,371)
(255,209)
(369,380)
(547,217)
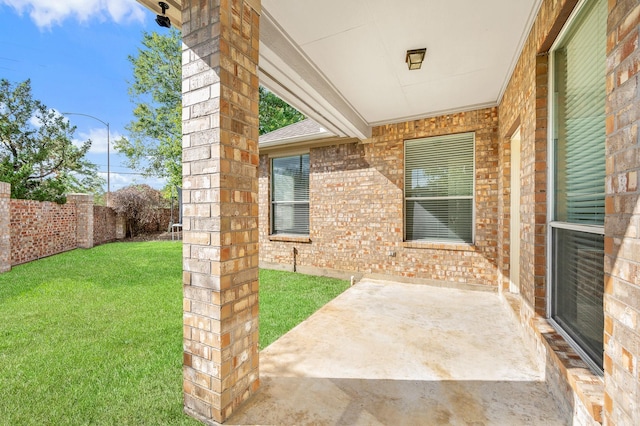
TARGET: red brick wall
(40,229)
(5,237)
(104,225)
(162,224)
(356,207)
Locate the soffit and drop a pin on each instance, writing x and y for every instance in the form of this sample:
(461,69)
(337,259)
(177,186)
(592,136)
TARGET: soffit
(342,62)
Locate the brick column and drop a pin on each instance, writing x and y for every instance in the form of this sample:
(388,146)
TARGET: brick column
(84,218)
(220,220)
(5,231)
(622,224)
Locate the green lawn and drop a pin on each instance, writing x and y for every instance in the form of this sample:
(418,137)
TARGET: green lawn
(95,336)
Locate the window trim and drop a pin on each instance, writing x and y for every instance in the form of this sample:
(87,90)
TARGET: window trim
(283,236)
(553,224)
(425,243)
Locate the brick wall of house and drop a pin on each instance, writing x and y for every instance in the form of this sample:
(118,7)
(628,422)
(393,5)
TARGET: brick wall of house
(40,229)
(524,105)
(104,225)
(356,207)
(622,225)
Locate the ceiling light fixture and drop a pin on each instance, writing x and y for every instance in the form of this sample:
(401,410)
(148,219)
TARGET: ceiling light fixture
(163,20)
(415,57)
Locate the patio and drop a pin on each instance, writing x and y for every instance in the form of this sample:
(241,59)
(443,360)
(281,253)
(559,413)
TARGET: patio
(391,353)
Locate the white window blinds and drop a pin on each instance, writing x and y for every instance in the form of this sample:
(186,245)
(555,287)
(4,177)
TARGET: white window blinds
(577,269)
(439,182)
(579,64)
(290,195)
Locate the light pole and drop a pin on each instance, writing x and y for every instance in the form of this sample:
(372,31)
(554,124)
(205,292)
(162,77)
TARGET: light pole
(108,146)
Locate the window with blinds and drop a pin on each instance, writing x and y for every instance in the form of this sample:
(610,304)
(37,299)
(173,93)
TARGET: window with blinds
(290,195)
(577,225)
(439,184)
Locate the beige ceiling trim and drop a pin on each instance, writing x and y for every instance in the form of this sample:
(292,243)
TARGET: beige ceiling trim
(516,57)
(292,76)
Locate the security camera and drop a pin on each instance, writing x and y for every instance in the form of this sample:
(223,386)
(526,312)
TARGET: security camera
(163,20)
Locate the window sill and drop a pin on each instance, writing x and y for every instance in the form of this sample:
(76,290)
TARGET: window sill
(573,372)
(288,238)
(438,246)
(588,386)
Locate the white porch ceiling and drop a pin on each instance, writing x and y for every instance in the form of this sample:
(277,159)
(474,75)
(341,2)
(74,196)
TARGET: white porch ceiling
(341,62)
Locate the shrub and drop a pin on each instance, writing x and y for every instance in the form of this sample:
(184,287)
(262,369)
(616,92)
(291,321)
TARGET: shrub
(139,204)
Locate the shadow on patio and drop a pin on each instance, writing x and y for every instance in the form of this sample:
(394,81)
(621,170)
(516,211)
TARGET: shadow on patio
(391,353)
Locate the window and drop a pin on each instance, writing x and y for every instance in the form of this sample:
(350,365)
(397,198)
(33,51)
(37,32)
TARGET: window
(438,189)
(578,168)
(290,195)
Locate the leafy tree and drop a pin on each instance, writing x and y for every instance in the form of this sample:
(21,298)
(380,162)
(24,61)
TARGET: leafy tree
(154,143)
(37,155)
(275,113)
(139,204)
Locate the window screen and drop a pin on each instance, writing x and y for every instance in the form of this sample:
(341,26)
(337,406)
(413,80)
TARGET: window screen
(439,174)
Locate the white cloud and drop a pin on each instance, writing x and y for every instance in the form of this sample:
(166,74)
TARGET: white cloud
(98,138)
(46,13)
(35,122)
(119,180)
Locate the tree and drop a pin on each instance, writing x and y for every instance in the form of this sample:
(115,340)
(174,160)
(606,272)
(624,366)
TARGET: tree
(37,154)
(139,204)
(154,142)
(275,113)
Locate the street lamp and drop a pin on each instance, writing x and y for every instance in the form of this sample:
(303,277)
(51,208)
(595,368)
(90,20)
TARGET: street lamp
(108,144)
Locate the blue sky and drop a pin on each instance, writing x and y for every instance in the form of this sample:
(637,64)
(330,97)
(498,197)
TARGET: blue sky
(75,53)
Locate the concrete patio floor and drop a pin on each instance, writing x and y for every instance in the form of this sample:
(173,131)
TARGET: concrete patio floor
(386,353)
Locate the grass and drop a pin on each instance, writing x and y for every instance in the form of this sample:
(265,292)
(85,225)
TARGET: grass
(286,299)
(95,336)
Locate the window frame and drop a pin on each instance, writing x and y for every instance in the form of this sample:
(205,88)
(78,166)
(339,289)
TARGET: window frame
(272,202)
(552,223)
(472,197)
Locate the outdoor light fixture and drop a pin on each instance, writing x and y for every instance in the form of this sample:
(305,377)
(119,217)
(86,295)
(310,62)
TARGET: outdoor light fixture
(163,20)
(415,57)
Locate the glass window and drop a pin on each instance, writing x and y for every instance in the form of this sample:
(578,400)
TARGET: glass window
(577,222)
(290,195)
(439,182)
